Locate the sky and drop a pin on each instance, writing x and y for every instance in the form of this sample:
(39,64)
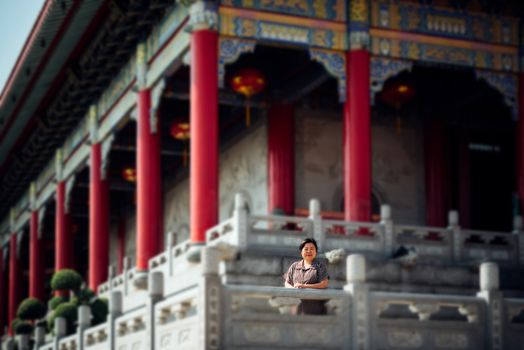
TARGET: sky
(16,20)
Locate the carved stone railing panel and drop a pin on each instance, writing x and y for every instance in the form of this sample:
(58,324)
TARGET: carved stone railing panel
(422,329)
(176,321)
(428,242)
(97,338)
(257,318)
(69,343)
(133,296)
(178,272)
(352,236)
(131,330)
(483,245)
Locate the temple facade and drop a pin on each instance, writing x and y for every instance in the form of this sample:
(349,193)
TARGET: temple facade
(176,153)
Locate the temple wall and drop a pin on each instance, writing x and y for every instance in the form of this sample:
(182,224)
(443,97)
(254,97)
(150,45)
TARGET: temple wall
(398,164)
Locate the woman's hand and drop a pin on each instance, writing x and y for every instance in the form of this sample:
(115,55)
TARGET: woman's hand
(320,285)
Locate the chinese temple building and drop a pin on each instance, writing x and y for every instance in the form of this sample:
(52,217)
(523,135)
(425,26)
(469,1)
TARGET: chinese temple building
(176,153)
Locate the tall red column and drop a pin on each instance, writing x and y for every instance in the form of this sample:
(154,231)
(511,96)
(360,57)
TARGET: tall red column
(14,281)
(63,240)
(36,262)
(149,215)
(357,138)
(281,158)
(520,145)
(3,303)
(98,220)
(436,174)
(204,133)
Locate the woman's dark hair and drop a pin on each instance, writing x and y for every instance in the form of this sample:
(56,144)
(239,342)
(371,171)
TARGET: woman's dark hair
(306,241)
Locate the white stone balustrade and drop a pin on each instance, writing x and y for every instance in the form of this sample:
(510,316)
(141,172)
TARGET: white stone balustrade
(447,244)
(98,337)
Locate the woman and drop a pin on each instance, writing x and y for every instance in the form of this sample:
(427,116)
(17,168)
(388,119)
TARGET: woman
(308,273)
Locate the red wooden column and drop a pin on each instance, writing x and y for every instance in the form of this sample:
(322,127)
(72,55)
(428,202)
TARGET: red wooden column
(204,121)
(281,158)
(14,281)
(520,145)
(63,240)
(3,303)
(36,253)
(357,138)
(436,174)
(98,210)
(149,215)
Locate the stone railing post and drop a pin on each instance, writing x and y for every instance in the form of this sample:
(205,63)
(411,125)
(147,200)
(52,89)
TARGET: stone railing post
(240,223)
(314,216)
(155,288)
(127,266)
(456,239)
(23,342)
(84,322)
(208,303)
(39,336)
(357,288)
(116,308)
(60,330)
(490,293)
(387,227)
(519,237)
(171,242)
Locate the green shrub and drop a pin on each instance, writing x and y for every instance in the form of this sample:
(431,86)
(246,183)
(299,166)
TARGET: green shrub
(31,309)
(15,322)
(55,301)
(66,310)
(23,327)
(84,297)
(99,310)
(66,279)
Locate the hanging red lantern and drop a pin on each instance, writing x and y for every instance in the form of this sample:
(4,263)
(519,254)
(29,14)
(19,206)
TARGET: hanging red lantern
(180,130)
(248,82)
(397,94)
(129,174)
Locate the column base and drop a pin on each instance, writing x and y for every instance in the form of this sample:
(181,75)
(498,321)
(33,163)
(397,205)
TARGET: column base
(194,254)
(140,280)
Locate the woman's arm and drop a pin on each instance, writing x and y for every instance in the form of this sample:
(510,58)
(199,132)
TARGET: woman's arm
(287,285)
(320,285)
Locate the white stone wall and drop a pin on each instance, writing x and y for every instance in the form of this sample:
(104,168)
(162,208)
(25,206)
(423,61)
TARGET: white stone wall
(318,159)
(397,166)
(242,168)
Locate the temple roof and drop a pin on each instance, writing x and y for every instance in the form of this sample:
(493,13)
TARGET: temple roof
(73,51)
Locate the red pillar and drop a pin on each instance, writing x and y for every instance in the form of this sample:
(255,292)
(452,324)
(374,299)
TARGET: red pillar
(14,282)
(63,240)
(357,139)
(36,262)
(204,133)
(149,215)
(520,145)
(281,158)
(3,302)
(121,243)
(436,175)
(98,221)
